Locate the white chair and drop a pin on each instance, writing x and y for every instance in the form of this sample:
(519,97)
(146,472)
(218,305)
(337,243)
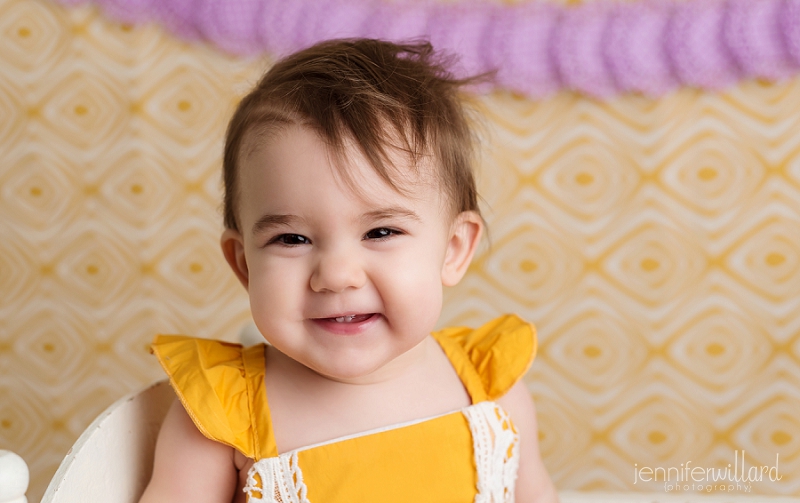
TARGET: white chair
(113,459)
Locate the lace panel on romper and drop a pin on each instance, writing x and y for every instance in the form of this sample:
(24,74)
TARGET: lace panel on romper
(496,451)
(276,480)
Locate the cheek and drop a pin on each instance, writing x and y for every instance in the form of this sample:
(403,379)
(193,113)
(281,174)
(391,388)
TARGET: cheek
(411,287)
(418,304)
(275,290)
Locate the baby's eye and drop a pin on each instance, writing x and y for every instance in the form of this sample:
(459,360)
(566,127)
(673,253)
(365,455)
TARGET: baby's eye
(381,233)
(291,240)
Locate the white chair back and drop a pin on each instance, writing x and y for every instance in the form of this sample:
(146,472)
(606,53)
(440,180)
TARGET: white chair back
(113,459)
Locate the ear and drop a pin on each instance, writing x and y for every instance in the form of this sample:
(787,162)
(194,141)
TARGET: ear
(233,249)
(465,233)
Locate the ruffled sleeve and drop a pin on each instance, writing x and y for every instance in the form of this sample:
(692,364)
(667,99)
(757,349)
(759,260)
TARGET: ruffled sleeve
(221,386)
(492,358)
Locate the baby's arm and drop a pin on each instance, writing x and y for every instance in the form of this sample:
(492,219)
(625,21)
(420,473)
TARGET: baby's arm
(188,466)
(533,482)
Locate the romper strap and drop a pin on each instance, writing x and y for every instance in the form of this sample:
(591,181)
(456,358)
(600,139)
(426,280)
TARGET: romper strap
(263,434)
(221,386)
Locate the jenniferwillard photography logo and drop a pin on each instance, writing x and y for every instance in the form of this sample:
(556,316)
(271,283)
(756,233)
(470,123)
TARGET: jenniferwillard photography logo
(733,478)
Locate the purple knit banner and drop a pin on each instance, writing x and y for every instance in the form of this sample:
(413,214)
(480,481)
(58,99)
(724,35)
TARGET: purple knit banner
(600,49)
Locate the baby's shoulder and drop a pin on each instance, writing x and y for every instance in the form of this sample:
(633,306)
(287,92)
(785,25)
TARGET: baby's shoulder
(189,466)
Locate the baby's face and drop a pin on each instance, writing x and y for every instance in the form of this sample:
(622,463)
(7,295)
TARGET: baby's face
(341,281)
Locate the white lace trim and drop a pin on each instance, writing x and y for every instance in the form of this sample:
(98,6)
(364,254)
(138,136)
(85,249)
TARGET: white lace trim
(495,443)
(495,446)
(280,480)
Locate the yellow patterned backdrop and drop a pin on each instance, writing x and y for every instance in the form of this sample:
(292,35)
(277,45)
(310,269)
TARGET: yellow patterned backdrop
(655,243)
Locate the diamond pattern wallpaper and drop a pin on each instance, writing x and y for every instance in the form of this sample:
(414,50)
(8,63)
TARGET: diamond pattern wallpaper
(654,243)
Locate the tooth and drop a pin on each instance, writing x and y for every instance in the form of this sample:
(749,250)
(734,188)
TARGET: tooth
(340,319)
(348,319)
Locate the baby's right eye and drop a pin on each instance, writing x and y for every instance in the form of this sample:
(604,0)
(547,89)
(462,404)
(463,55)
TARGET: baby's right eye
(291,240)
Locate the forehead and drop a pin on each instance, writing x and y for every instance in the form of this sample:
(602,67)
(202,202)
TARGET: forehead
(296,157)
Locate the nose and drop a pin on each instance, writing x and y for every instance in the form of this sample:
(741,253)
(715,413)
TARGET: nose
(336,271)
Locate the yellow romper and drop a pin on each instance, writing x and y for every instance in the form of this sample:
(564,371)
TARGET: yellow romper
(468,455)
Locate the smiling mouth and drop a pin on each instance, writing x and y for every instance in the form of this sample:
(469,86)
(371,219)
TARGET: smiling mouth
(347,324)
(350,318)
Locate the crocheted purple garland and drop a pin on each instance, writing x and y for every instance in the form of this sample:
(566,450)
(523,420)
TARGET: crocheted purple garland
(600,49)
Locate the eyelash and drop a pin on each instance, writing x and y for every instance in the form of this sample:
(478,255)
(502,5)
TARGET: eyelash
(390,232)
(282,239)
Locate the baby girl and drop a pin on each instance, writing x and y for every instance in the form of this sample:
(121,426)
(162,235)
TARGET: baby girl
(350,203)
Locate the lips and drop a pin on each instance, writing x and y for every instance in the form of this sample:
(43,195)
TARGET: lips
(350,318)
(347,324)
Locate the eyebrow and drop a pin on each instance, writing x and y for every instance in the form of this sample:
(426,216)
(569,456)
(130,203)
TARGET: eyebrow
(269,221)
(390,212)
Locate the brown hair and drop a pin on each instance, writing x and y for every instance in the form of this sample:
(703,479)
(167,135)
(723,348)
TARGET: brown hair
(352,90)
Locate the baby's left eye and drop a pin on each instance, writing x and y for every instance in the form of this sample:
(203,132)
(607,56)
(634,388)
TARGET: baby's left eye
(381,233)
